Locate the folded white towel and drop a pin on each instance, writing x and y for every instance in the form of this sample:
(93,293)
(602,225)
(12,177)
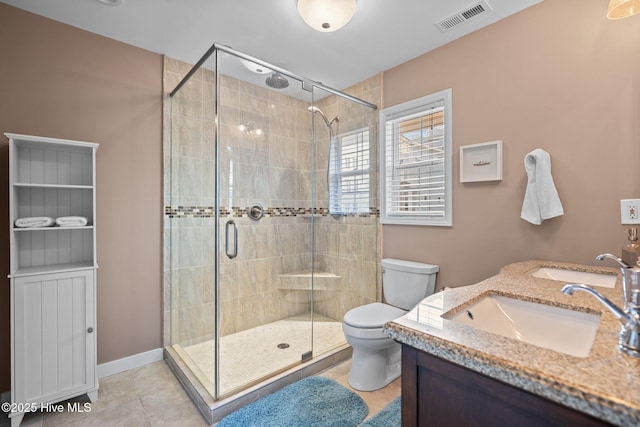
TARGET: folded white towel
(541,200)
(34,221)
(71,221)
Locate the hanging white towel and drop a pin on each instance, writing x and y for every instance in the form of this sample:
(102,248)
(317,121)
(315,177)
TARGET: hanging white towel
(34,221)
(541,200)
(71,221)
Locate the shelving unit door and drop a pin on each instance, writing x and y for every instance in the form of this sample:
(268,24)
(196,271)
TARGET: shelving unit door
(53,336)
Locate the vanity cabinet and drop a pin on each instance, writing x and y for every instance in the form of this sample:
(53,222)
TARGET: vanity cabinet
(436,392)
(52,272)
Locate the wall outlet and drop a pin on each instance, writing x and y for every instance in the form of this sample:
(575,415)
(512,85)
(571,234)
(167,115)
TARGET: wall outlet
(630,211)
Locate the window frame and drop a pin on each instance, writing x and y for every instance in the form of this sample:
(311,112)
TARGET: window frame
(406,110)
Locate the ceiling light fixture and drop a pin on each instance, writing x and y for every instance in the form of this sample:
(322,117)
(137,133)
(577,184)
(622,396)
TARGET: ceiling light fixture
(619,9)
(326,15)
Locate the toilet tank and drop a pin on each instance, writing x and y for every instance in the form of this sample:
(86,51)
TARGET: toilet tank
(406,283)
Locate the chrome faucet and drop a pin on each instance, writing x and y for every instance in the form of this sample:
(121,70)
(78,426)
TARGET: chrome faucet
(613,257)
(629,337)
(624,269)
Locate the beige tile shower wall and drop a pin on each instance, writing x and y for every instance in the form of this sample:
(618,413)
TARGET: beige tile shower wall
(349,251)
(349,246)
(273,169)
(189,175)
(251,286)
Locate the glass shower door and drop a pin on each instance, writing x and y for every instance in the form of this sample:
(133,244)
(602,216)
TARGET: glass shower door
(262,260)
(265,227)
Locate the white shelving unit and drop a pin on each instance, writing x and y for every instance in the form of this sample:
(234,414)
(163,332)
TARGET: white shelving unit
(53,273)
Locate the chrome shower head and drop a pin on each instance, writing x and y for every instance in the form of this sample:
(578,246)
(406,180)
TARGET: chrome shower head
(277,81)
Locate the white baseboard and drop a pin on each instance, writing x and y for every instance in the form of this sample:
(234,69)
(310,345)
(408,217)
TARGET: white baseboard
(129,362)
(115,366)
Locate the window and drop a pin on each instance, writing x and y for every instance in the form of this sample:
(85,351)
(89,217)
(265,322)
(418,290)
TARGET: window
(349,173)
(415,164)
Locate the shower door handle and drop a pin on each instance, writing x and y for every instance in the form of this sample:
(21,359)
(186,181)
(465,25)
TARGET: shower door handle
(234,253)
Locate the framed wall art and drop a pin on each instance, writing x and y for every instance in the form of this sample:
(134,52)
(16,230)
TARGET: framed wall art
(481,162)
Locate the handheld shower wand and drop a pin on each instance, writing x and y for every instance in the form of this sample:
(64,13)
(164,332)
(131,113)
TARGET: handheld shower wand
(315,109)
(336,119)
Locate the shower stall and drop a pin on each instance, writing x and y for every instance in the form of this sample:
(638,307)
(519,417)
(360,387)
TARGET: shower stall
(271,229)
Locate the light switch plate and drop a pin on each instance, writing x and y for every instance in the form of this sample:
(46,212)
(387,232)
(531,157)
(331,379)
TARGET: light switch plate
(630,211)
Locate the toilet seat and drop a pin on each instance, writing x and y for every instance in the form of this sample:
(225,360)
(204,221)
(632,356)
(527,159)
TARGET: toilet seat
(372,316)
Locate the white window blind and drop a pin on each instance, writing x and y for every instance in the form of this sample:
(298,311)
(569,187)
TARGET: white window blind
(349,173)
(416,163)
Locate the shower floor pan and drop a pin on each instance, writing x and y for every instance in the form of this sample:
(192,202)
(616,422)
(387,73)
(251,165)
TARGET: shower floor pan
(254,355)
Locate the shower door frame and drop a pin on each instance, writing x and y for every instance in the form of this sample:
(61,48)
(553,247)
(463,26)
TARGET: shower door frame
(308,84)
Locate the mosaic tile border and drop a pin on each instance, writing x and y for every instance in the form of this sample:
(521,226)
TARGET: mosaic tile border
(209,212)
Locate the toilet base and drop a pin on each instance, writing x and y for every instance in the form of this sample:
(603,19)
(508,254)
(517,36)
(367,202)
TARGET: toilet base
(373,369)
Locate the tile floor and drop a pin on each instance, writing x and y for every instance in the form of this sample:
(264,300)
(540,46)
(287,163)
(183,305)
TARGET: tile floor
(151,396)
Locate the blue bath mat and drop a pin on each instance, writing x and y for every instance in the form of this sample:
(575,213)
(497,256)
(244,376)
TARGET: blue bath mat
(388,417)
(313,401)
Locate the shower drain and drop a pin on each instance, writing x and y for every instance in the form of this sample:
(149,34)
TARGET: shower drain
(283,345)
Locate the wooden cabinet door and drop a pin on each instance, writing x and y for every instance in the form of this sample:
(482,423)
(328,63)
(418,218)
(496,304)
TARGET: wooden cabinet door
(436,392)
(53,336)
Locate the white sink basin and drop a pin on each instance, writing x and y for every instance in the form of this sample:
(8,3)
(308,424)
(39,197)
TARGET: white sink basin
(567,331)
(572,276)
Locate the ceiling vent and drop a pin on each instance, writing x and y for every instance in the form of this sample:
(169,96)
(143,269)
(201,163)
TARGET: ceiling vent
(458,18)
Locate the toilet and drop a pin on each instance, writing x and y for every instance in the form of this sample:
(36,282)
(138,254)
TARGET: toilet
(376,357)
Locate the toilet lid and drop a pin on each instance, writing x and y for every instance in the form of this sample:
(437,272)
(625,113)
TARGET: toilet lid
(372,315)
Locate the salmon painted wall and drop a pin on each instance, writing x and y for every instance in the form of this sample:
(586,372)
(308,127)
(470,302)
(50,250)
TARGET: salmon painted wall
(62,82)
(557,76)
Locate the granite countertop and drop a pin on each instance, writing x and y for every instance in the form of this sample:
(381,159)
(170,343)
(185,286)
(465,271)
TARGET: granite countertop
(605,384)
